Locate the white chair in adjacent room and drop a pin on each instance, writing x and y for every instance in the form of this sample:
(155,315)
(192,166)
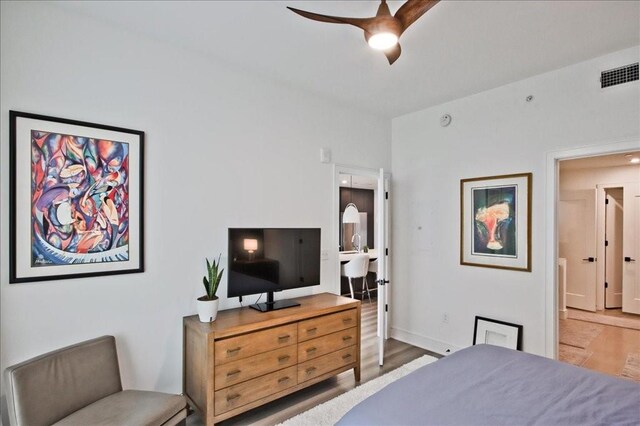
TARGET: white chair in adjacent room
(357,267)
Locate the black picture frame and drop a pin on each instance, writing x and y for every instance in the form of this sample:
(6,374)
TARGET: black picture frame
(511,332)
(99,252)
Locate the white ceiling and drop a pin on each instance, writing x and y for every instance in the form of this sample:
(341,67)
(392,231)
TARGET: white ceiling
(613,160)
(457,49)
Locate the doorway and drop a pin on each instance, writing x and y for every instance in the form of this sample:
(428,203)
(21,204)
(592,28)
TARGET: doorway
(598,240)
(361,233)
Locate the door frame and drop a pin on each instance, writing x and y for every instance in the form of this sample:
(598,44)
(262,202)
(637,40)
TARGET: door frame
(551,237)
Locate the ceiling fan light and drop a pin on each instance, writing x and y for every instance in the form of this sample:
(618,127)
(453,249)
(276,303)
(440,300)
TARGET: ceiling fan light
(383,41)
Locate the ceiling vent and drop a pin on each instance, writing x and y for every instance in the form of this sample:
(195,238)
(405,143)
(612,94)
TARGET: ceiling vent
(619,75)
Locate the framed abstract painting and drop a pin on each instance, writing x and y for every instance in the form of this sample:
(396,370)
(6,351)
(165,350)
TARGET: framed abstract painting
(76,199)
(495,222)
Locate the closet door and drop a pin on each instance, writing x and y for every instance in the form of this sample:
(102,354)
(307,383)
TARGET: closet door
(631,249)
(613,248)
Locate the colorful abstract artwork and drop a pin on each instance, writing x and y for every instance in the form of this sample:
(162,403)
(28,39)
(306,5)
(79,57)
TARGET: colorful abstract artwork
(495,222)
(76,199)
(80,199)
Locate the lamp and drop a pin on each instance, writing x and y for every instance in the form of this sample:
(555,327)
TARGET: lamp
(351,214)
(250,245)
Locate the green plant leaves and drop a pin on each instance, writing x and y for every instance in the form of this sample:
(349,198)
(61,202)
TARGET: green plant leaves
(214,277)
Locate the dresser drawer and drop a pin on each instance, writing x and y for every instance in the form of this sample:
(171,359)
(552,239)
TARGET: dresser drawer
(238,371)
(244,346)
(252,390)
(326,324)
(324,364)
(330,343)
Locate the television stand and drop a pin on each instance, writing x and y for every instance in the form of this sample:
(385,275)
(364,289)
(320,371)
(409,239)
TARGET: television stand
(271,305)
(245,358)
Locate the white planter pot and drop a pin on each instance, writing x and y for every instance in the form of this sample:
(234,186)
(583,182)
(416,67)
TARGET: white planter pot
(207,309)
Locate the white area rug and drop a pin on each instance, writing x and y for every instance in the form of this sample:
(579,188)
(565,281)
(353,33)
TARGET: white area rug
(328,413)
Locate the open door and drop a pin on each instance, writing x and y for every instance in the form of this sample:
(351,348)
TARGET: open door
(577,233)
(383,262)
(613,248)
(631,249)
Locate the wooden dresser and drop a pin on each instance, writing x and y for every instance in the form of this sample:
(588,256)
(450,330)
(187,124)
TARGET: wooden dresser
(246,358)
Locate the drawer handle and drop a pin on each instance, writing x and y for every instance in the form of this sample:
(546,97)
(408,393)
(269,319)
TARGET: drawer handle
(283,379)
(312,329)
(311,370)
(311,350)
(283,358)
(232,351)
(233,373)
(282,338)
(347,320)
(347,356)
(346,338)
(232,397)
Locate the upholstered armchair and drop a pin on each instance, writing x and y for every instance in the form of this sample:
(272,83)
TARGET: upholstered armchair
(80,385)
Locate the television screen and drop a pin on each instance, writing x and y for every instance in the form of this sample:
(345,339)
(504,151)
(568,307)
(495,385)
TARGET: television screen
(265,260)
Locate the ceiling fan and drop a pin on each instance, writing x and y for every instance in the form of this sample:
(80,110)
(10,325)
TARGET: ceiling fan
(383,30)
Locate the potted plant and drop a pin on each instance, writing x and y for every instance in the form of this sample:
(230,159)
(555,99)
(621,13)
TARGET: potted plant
(208,304)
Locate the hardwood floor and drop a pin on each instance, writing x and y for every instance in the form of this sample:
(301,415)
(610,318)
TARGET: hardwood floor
(608,351)
(396,354)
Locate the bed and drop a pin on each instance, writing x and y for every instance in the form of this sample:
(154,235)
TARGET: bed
(490,385)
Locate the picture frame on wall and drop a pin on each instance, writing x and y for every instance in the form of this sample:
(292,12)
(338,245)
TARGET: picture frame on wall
(497,333)
(76,199)
(495,222)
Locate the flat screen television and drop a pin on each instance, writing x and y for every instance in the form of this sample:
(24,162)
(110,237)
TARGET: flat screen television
(266,260)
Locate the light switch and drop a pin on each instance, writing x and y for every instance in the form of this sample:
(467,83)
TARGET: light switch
(325,155)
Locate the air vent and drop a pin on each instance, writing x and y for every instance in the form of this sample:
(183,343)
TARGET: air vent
(619,75)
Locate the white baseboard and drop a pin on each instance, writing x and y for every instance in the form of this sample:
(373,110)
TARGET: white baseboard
(424,342)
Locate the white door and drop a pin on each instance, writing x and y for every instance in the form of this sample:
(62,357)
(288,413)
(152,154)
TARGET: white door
(577,233)
(613,248)
(383,262)
(631,249)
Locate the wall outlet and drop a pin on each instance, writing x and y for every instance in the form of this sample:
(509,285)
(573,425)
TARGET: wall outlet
(445,318)
(324,254)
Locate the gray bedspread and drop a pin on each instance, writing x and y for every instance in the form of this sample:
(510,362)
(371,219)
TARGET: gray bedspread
(489,385)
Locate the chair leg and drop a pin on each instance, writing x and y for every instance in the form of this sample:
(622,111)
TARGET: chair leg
(365,288)
(351,288)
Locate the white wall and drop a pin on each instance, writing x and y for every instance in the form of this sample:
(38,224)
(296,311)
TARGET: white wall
(223,149)
(492,133)
(576,179)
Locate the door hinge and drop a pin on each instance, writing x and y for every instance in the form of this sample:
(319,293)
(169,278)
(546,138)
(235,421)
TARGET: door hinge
(386,252)
(606,285)
(386,195)
(606,243)
(386,308)
(606,201)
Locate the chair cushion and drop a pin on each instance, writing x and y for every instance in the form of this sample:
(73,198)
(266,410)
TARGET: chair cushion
(130,407)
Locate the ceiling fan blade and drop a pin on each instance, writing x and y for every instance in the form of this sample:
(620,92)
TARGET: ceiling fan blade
(412,10)
(393,53)
(357,22)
